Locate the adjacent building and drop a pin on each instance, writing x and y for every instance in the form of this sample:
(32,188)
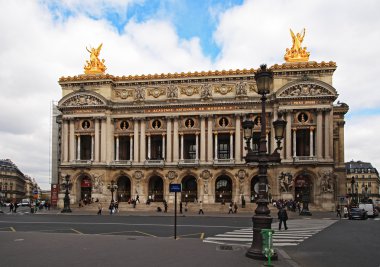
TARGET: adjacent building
(12,181)
(362,179)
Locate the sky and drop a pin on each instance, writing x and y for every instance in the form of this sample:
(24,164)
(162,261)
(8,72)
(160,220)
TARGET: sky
(43,40)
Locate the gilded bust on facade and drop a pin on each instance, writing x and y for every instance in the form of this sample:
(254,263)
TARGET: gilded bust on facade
(297,53)
(95,65)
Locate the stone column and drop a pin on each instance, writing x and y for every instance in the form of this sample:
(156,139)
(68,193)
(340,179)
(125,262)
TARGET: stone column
(92,147)
(175,140)
(65,141)
(273,144)
(196,146)
(311,142)
(103,140)
(288,137)
(341,141)
(149,145)
(169,140)
(97,140)
(331,133)
(181,146)
(231,145)
(136,148)
(110,140)
(72,141)
(319,134)
(216,145)
(209,138)
(163,146)
(142,141)
(237,138)
(294,142)
(78,147)
(131,147)
(117,148)
(327,134)
(203,139)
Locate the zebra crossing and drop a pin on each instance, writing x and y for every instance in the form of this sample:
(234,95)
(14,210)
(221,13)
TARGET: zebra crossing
(298,231)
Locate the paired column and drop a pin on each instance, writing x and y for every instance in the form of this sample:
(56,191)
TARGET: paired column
(319,134)
(196,146)
(110,140)
(117,148)
(97,140)
(203,139)
(131,147)
(136,140)
(169,140)
(181,146)
(175,140)
(311,142)
(142,141)
(103,140)
(209,138)
(92,147)
(163,146)
(65,141)
(237,138)
(72,141)
(216,145)
(78,147)
(149,145)
(288,137)
(231,145)
(327,133)
(294,142)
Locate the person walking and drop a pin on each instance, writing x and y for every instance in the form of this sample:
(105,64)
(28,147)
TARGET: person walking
(111,208)
(100,208)
(282,218)
(200,208)
(138,198)
(338,214)
(230,208)
(235,207)
(180,207)
(165,206)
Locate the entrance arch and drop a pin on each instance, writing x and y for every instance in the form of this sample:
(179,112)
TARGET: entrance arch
(156,189)
(302,189)
(189,189)
(123,189)
(254,194)
(223,189)
(85,188)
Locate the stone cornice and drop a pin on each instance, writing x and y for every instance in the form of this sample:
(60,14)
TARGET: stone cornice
(202,74)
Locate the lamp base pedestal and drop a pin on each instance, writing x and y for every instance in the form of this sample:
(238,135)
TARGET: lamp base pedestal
(256,250)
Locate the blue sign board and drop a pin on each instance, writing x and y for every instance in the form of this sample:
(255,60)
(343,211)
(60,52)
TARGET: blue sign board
(175,188)
(35,192)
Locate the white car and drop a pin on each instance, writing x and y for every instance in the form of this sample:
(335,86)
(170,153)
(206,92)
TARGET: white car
(368,208)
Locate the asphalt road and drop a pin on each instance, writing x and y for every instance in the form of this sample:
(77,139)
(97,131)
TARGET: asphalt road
(155,226)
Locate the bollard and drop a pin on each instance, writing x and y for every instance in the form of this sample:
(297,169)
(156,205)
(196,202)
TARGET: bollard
(268,250)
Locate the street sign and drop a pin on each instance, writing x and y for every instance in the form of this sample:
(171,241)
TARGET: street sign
(35,192)
(175,188)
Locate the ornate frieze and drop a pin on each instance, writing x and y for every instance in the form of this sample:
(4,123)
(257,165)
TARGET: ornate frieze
(241,89)
(123,94)
(82,100)
(139,93)
(172,91)
(206,91)
(305,89)
(190,90)
(223,89)
(156,92)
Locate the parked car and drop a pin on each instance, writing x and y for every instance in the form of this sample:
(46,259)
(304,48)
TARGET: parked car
(357,213)
(369,208)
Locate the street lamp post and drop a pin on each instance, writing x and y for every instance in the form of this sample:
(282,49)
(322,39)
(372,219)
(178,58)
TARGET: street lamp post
(66,201)
(262,219)
(112,187)
(352,189)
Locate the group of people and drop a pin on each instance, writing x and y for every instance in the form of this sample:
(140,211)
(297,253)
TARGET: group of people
(233,207)
(290,205)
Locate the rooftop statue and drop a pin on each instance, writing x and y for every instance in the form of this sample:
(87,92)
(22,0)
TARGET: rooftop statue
(94,66)
(297,53)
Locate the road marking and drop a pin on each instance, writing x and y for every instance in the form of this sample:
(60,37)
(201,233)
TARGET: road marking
(187,235)
(202,235)
(76,231)
(118,232)
(12,229)
(145,233)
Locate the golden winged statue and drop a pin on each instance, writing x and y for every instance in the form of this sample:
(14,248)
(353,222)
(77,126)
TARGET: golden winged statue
(95,65)
(297,53)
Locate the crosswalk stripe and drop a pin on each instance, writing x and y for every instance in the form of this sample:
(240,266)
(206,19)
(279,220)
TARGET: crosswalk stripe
(298,231)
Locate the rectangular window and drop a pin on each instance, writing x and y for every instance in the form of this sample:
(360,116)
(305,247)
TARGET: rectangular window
(85,147)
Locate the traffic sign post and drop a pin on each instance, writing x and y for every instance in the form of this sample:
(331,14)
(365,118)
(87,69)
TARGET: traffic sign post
(175,188)
(268,250)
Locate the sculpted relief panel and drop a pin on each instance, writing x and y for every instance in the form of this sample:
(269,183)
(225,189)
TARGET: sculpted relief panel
(306,89)
(83,100)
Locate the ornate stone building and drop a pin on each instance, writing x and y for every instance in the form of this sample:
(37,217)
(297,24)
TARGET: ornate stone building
(12,182)
(145,132)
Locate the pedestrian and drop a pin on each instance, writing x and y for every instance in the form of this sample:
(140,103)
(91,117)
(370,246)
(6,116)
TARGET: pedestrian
(116,205)
(282,217)
(345,211)
(111,207)
(299,207)
(100,208)
(200,208)
(180,207)
(235,207)
(230,208)
(11,207)
(186,206)
(15,207)
(138,198)
(165,206)
(338,214)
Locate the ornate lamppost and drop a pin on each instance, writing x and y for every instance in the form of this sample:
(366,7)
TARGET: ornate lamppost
(262,219)
(112,187)
(66,201)
(352,190)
